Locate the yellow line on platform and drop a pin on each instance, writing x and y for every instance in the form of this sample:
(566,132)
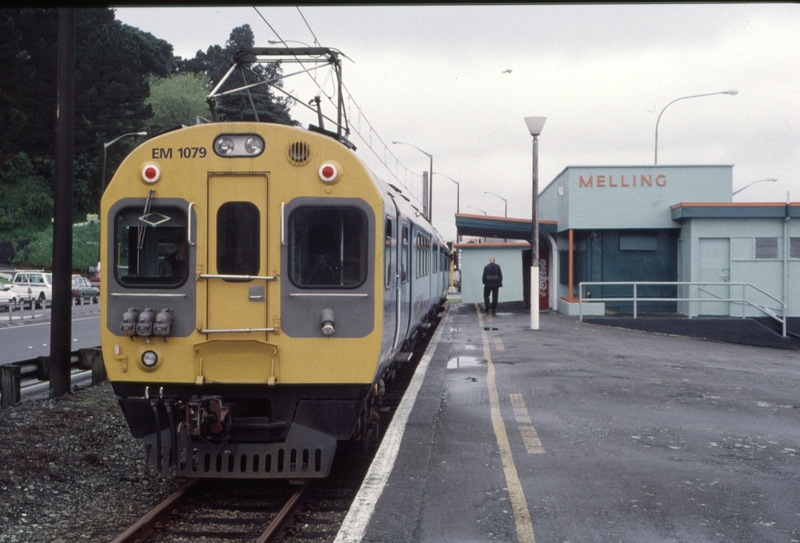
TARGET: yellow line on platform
(517,496)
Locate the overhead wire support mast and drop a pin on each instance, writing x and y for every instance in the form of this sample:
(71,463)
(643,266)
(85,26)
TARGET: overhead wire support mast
(243,58)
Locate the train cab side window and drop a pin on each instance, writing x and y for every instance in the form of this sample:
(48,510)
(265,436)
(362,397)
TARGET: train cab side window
(238,239)
(328,247)
(151,250)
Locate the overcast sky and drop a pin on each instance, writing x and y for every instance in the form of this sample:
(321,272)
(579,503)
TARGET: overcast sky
(457,82)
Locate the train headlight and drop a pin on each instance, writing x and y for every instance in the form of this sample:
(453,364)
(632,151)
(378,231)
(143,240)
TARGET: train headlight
(253,145)
(224,146)
(149,359)
(239,145)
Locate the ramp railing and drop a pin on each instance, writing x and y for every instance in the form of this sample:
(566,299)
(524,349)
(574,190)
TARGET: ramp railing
(697,293)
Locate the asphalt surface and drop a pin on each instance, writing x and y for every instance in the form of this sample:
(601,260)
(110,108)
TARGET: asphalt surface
(586,433)
(26,334)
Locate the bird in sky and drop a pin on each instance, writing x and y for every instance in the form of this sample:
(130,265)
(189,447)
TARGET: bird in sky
(507,71)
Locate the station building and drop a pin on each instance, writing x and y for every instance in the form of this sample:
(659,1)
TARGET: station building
(673,224)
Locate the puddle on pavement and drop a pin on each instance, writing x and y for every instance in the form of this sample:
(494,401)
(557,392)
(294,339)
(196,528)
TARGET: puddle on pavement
(464,362)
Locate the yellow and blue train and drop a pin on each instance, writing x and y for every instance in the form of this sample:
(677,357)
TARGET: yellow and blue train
(259,285)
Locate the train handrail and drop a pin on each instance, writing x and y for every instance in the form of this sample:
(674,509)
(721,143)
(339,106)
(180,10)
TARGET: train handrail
(238,277)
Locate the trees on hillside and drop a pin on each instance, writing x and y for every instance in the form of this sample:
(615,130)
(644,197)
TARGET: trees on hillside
(126,81)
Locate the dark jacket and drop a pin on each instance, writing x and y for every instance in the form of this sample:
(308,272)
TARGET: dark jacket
(492,276)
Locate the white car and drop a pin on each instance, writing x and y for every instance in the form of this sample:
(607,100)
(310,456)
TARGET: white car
(8,298)
(33,286)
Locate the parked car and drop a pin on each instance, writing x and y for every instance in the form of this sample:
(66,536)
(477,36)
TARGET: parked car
(82,290)
(33,286)
(8,298)
(94,275)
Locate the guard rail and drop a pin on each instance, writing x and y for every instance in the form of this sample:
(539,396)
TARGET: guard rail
(36,371)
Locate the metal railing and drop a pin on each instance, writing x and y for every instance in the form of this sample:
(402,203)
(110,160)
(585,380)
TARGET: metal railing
(777,313)
(32,376)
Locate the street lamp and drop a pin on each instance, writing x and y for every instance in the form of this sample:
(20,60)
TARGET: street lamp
(771,180)
(108,144)
(504,200)
(535,125)
(458,197)
(430,179)
(732,92)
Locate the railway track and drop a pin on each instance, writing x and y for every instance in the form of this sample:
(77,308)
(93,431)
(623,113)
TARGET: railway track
(214,510)
(220,510)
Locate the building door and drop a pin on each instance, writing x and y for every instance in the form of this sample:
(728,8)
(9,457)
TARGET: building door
(237,257)
(714,262)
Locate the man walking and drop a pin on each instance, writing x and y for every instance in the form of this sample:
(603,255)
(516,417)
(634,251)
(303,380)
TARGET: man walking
(492,281)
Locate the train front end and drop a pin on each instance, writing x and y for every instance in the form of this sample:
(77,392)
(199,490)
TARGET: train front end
(241,308)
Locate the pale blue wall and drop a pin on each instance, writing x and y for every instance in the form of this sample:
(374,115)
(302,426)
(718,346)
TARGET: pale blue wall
(475,256)
(766,274)
(616,197)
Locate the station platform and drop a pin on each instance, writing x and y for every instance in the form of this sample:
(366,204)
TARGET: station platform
(577,432)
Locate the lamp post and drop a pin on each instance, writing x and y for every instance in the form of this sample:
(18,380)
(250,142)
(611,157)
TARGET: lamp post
(458,197)
(771,180)
(732,92)
(105,153)
(504,200)
(430,179)
(535,125)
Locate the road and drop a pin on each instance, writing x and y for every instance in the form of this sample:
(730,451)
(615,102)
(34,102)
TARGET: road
(27,334)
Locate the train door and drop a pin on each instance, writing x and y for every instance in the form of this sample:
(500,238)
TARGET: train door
(237,257)
(392,281)
(404,290)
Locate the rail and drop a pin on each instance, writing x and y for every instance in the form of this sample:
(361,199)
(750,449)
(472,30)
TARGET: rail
(31,375)
(709,296)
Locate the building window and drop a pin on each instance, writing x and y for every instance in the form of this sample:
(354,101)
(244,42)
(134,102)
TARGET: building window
(794,247)
(766,248)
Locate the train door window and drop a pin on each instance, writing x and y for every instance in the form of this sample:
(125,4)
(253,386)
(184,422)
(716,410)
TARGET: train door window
(388,249)
(151,249)
(405,263)
(238,238)
(328,247)
(435,258)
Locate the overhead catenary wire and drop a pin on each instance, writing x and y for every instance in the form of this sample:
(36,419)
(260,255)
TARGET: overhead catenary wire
(416,177)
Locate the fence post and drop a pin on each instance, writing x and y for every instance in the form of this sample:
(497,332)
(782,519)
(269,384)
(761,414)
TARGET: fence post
(93,359)
(10,393)
(43,368)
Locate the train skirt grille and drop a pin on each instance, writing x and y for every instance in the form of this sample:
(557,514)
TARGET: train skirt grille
(238,460)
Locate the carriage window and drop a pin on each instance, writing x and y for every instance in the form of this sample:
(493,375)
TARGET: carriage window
(238,239)
(328,247)
(151,249)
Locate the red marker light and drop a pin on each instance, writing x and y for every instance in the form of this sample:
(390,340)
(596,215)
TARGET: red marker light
(328,172)
(151,173)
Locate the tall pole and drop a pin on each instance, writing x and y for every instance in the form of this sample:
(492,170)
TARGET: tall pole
(61,313)
(535,238)
(458,197)
(732,92)
(535,125)
(430,178)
